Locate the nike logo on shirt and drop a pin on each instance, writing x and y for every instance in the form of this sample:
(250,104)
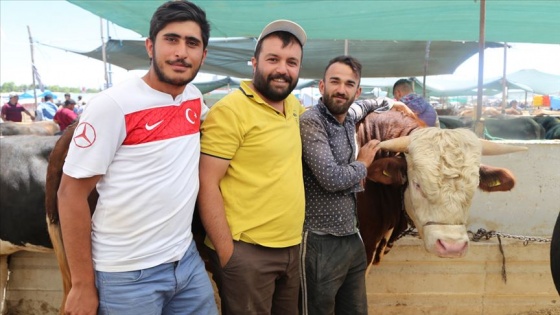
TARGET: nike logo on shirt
(151,127)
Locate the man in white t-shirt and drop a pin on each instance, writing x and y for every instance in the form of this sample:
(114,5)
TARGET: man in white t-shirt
(138,145)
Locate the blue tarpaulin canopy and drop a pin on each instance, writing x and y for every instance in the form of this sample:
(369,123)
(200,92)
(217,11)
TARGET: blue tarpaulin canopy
(29,94)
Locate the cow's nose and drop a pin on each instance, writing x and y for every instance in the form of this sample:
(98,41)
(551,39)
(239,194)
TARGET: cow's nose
(451,248)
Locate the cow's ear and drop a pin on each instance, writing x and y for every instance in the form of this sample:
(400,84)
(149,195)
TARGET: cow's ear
(388,171)
(495,179)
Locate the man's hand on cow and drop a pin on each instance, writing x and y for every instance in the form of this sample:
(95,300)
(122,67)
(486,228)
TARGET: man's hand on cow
(401,107)
(367,152)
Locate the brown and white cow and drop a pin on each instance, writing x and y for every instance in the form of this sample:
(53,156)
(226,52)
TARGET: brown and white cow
(433,177)
(40,128)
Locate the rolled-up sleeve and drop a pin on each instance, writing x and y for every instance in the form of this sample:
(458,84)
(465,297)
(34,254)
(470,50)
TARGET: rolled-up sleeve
(360,108)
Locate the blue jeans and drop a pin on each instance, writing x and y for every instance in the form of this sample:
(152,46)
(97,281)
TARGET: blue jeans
(181,287)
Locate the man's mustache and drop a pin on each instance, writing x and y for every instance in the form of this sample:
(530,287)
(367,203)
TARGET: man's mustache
(280,76)
(179,62)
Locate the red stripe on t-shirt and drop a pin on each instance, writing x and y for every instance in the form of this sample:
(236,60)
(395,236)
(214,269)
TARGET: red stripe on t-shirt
(162,123)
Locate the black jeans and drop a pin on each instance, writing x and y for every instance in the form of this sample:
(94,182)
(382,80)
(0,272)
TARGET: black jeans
(333,278)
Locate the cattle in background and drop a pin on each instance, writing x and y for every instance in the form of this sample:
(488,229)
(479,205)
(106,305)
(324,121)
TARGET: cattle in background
(41,128)
(555,254)
(23,166)
(451,122)
(434,181)
(518,128)
(551,126)
(485,112)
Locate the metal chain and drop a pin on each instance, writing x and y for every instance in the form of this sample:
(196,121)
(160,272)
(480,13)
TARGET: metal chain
(482,233)
(410,231)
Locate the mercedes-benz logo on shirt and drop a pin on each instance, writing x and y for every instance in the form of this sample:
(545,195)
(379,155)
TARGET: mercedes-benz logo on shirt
(84,136)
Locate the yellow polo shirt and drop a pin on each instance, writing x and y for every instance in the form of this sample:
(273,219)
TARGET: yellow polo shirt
(263,186)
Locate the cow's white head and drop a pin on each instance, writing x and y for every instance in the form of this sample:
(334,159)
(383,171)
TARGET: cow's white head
(443,167)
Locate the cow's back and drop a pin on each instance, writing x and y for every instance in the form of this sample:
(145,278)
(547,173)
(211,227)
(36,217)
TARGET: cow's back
(40,128)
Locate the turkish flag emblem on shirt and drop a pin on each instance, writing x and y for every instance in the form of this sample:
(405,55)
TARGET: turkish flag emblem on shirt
(162,123)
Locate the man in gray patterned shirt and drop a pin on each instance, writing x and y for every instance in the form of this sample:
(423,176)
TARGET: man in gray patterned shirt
(333,259)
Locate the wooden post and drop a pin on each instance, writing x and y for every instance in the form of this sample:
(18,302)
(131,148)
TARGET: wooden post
(32,69)
(504,81)
(478,124)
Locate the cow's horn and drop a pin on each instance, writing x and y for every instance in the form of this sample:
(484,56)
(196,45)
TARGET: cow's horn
(493,148)
(396,145)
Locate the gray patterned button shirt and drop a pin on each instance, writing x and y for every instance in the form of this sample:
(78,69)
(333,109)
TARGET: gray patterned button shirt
(331,173)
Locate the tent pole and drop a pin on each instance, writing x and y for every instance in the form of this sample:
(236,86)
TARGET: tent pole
(426,58)
(104,55)
(32,69)
(504,82)
(478,125)
(110,70)
(345,47)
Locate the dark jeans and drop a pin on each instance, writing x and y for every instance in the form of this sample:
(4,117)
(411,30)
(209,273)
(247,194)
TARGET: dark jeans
(258,280)
(333,281)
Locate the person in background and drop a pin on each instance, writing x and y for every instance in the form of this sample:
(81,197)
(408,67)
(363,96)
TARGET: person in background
(404,92)
(47,109)
(138,144)
(79,108)
(333,256)
(11,111)
(65,116)
(251,197)
(67,96)
(513,109)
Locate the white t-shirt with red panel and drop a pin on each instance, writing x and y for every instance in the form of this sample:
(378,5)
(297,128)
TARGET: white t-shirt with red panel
(147,146)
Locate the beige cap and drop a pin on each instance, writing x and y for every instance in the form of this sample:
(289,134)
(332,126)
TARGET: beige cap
(286,26)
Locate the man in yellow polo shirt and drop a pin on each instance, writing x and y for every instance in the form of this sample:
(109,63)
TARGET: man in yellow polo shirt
(251,197)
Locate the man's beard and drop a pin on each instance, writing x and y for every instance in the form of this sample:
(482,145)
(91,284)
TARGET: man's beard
(176,82)
(262,85)
(335,107)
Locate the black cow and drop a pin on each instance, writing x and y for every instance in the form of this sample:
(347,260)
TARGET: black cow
(23,169)
(518,128)
(555,254)
(551,126)
(451,122)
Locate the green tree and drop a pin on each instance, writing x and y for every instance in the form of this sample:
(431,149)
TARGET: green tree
(8,87)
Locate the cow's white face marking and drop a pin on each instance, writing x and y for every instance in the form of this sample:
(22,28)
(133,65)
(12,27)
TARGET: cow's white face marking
(443,171)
